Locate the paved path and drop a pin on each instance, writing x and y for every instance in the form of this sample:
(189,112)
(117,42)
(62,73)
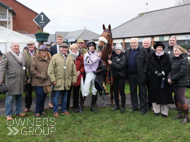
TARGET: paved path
(100,103)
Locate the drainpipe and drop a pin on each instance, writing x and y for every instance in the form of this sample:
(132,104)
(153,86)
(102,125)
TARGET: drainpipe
(7,19)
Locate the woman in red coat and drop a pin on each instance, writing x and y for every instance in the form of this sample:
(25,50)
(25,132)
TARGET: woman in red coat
(78,59)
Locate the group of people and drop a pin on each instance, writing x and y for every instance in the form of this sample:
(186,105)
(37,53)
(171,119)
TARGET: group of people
(58,70)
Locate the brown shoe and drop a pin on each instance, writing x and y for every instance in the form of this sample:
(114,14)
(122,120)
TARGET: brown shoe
(9,118)
(21,114)
(37,114)
(50,105)
(43,113)
(45,108)
(56,114)
(27,110)
(66,113)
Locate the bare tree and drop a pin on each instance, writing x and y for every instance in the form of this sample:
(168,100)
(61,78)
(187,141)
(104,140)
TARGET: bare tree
(182,2)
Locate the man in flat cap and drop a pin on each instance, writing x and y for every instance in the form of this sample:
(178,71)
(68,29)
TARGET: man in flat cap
(80,43)
(63,74)
(54,50)
(31,52)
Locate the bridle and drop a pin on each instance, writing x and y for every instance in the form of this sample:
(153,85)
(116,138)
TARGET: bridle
(108,81)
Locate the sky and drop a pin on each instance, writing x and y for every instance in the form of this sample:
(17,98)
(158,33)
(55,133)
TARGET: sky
(71,15)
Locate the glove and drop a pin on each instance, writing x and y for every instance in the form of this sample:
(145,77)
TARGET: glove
(159,75)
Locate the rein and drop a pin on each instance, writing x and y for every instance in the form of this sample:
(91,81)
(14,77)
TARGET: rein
(109,81)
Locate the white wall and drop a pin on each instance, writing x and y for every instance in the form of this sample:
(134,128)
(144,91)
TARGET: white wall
(3,22)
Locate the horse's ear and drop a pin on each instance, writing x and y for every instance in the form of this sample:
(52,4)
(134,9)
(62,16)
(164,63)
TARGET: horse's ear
(109,27)
(103,27)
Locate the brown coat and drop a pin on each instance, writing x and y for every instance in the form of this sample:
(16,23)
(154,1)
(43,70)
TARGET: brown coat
(39,69)
(14,73)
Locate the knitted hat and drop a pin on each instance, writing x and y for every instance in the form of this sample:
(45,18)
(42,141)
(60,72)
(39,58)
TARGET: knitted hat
(118,46)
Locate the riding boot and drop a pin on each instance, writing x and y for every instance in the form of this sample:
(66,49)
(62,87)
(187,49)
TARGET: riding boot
(179,109)
(93,103)
(185,109)
(82,99)
(95,99)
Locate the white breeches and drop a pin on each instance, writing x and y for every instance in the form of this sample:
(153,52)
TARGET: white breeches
(89,82)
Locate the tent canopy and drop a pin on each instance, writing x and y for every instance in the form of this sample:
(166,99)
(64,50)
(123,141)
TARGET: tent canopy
(8,36)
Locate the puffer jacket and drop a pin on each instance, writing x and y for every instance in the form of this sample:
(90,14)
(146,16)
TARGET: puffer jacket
(118,66)
(179,68)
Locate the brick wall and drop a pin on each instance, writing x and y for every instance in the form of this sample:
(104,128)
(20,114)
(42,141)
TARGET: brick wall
(23,20)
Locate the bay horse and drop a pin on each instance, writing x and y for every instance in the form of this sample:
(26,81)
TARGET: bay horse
(103,72)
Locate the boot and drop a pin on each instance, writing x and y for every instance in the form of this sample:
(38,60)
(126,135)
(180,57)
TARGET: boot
(179,109)
(93,103)
(122,110)
(115,108)
(82,99)
(95,100)
(185,109)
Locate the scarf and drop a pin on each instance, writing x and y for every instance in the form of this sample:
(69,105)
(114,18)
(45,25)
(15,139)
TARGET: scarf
(162,53)
(80,50)
(31,53)
(74,55)
(18,57)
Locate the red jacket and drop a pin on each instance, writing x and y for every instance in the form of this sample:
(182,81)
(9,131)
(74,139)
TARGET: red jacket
(79,67)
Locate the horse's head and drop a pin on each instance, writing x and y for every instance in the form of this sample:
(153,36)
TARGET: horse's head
(105,39)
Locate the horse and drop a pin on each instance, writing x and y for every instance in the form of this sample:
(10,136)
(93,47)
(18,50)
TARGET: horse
(103,73)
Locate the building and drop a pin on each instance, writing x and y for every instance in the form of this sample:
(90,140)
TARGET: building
(79,34)
(16,16)
(6,16)
(70,37)
(156,25)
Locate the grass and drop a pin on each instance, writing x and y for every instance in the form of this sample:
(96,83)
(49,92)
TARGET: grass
(105,126)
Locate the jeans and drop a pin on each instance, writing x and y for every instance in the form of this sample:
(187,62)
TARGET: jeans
(63,105)
(40,99)
(9,102)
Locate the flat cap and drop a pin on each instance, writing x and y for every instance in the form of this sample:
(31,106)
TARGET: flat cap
(80,40)
(63,45)
(30,42)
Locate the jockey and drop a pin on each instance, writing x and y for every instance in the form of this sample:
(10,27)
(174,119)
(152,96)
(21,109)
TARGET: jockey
(91,62)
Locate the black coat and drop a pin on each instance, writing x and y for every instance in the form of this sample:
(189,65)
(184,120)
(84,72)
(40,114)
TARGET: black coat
(142,63)
(169,51)
(150,51)
(53,50)
(118,66)
(158,95)
(179,69)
